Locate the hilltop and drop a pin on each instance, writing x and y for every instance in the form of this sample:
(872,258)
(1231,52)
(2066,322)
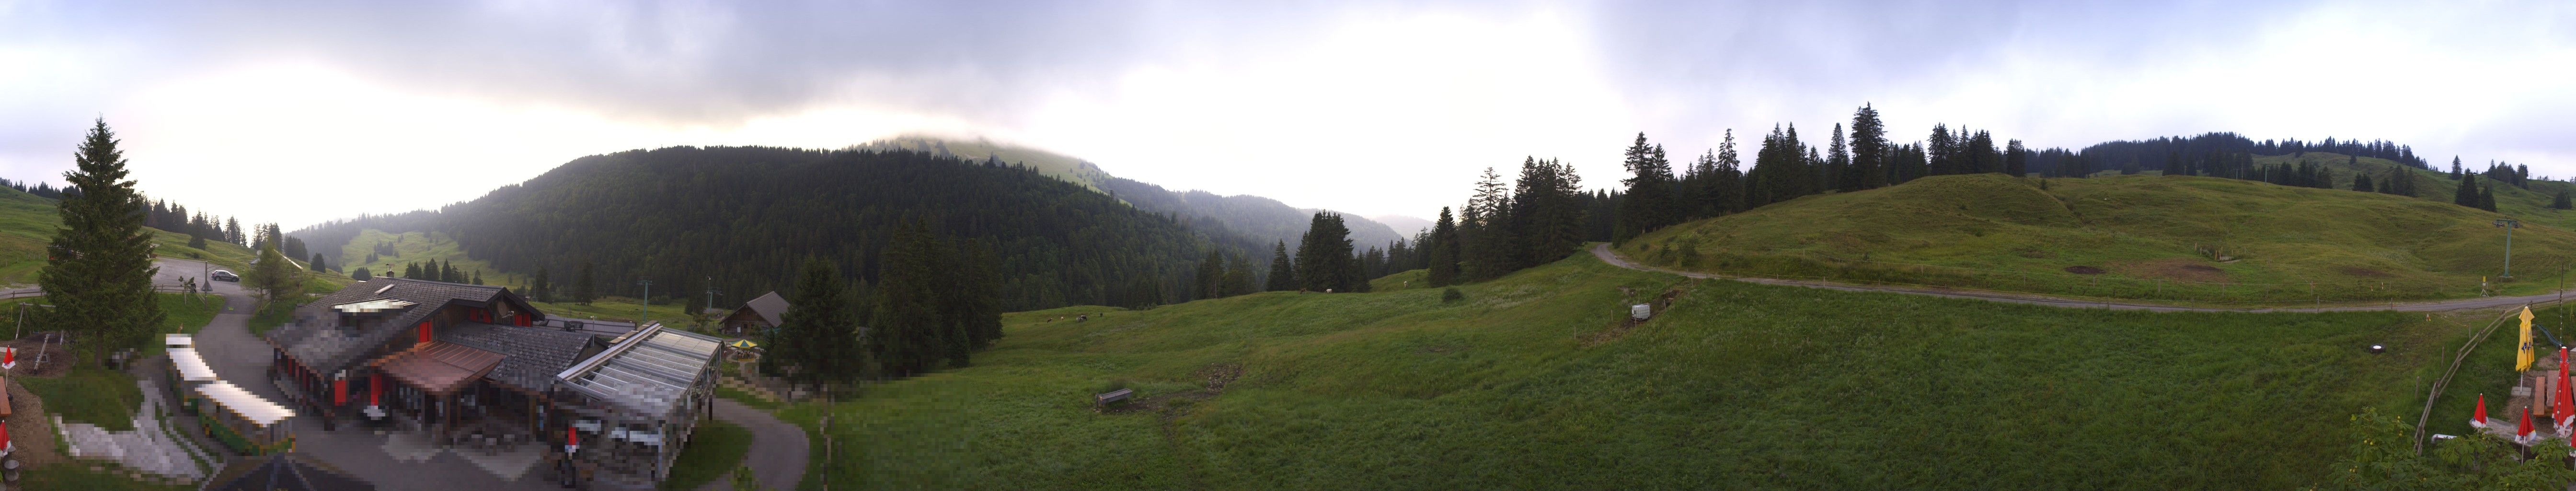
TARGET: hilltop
(1260,221)
(1535,381)
(2177,238)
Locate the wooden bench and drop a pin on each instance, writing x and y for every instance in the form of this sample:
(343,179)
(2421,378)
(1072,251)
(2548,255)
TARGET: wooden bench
(1102,400)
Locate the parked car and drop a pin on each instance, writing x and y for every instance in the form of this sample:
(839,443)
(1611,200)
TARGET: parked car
(222,275)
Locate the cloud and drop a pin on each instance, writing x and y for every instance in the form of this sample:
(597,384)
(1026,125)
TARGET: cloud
(1366,107)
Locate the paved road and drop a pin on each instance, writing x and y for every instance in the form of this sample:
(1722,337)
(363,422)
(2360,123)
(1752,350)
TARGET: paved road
(1603,251)
(777,456)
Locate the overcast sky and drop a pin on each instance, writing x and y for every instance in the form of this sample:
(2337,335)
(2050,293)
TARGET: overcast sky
(281,111)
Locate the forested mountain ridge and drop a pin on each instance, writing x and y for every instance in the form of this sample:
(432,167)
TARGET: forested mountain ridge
(748,216)
(1261,220)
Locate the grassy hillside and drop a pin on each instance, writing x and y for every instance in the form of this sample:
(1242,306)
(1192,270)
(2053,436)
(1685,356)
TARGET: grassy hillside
(2530,205)
(1534,381)
(27,223)
(2193,239)
(421,247)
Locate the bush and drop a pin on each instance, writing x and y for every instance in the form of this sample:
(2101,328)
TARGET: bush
(1451,295)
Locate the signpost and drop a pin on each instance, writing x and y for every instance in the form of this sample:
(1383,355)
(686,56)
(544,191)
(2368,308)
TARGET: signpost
(2508,225)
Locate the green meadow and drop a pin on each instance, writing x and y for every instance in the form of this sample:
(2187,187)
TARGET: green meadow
(1536,380)
(2170,238)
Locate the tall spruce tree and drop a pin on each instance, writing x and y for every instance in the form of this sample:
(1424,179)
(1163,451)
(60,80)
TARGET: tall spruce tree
(99,273)
(1324,256)
(1485,247)
(1283,274)
(1726,189)
(1869,150)
(273,277)
(1443,251)
(1649,203)
(2016,159)
(1838,161)
(2561,203)
(818,335)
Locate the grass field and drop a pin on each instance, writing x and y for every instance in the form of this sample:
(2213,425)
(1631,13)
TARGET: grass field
(2181,239)
(1533,381)
(107,398)
(619,309)
(715,448)
(417,247)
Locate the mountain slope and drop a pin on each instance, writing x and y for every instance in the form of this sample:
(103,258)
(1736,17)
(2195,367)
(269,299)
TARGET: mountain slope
(749,216)
(2155,237)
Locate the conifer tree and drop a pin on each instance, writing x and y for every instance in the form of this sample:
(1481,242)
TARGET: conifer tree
(99,273)
(537,288)
(2486,198)
(2361,182)
(1443,251)
(1839,162)
(818,335)
(2467,195)
(1649,203)
(1868,148)
(1726,188)
(2016,159)
(1283,274)
(362,274)
(2561,203)
(318,266)
(273,277)
(1324,256)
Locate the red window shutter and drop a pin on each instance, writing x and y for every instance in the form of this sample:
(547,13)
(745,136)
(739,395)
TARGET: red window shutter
(340,391)
(424,331)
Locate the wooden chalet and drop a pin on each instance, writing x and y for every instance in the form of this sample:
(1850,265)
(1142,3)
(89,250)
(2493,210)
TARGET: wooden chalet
(757,316)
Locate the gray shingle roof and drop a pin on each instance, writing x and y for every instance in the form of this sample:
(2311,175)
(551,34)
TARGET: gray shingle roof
(771,307)
(316,339)
(531,356)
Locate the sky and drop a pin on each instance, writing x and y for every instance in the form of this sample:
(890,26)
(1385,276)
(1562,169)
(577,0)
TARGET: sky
(267,110)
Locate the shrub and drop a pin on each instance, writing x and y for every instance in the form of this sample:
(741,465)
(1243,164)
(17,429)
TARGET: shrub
(1451,295)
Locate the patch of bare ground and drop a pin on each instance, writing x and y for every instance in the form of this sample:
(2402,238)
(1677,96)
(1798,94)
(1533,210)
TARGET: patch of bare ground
(2182,269)
(1620,328)
(29,428)
(2085,270)
(2363,272)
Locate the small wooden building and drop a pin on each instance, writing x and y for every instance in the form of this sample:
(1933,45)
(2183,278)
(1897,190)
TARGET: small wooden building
(758,316)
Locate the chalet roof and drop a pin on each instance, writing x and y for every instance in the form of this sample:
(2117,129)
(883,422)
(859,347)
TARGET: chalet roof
(325,347)
(286,471)
(531,356)
(439,368)
(771,307)
(648,373)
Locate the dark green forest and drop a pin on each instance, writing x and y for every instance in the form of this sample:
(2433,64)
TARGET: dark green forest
(748,217)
